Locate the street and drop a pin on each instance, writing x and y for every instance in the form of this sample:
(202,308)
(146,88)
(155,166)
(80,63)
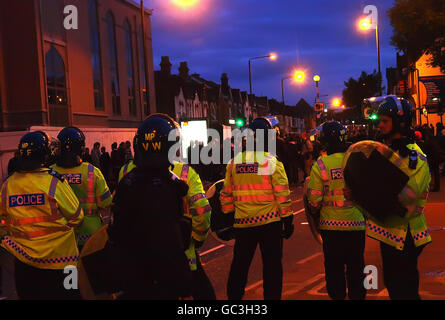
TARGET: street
(303,260)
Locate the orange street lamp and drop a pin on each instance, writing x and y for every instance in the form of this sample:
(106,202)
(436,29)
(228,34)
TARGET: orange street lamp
(366,24)
(336,102)
(272,57)
(298,76)
(185,4)
(317,80)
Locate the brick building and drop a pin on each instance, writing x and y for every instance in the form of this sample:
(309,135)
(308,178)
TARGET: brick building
(93,76)
(185,97)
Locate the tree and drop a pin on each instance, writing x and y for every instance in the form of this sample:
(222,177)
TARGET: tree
(419,28)
(366,86)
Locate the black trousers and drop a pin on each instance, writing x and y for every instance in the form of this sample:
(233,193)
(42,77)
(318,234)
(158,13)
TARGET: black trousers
(344,249)
(41,284)
(271,246)
(202,287)
(400,273)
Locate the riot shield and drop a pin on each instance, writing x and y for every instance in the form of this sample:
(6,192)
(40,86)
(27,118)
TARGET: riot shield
(376,175)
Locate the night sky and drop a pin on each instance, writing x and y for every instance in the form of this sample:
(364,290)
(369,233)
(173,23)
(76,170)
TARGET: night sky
(319,36)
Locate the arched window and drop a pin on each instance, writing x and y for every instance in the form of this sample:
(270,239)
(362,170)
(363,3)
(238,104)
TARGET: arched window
(130,70)
(95,55)
(115,93)
(55,78)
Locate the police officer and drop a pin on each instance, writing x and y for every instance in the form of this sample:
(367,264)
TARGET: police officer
(341,224)
(402,242)
(257,189)
(87,181)
(197,209)
(146,237)
(39,210)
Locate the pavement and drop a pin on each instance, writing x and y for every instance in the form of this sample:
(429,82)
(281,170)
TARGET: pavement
(303,262)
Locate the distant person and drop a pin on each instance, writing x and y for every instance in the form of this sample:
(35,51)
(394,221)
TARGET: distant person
(95,155)
(86,156)
(12,164)
(105,164)
(115,163)
(128,155)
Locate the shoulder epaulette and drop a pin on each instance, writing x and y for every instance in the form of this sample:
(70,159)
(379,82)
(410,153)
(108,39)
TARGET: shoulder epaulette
(56,175)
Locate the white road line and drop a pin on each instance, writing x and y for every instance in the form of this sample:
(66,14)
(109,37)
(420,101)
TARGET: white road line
(303,285)
(253,286)
(303,261)
(223,245)
(211,250)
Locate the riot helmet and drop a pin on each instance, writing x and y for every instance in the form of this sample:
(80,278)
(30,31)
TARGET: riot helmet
(265,124)
(401,113)
(151,143)
(332,135)
(72,146)
(33,151)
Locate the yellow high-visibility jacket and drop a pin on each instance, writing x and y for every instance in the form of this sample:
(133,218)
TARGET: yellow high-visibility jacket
(414,198)
(39,211)
(257,189)
(126,168)
(325,190)
(91,189)
(196,205)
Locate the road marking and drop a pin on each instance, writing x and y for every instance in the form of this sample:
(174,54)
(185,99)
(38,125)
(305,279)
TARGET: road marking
(253,286)
(296,201)
(304,284)
(223,245)
(211,250)
(303,261)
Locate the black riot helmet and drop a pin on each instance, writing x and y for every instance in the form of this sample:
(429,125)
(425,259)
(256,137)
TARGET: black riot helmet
(332,135)
(72,146)
(33,151)
(401,113)
(151,143)
(264,124)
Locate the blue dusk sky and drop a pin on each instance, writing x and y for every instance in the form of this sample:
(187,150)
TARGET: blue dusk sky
(318,36)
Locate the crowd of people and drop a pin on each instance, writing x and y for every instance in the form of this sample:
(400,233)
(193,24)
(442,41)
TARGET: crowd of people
(108,164)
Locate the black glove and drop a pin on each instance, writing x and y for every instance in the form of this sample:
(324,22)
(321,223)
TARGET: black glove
(288,227)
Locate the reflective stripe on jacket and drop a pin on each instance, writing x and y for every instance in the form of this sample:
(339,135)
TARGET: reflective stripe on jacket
(196,207)
(413,197)
(126,168)
(39,212)
(91,189)
(325,190)
(257,189)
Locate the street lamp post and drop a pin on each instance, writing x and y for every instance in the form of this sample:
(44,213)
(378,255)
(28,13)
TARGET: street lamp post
(271,56)
(298,76)
(282,87)
(317,80)
(366,24)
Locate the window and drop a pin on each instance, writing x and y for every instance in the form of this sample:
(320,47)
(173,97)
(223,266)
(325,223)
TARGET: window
(130,70)
(144,81)
(55,78)
(95,55)
(115,93)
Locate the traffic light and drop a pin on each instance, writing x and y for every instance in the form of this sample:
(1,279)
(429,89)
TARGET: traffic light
(240,122)
(373,117)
